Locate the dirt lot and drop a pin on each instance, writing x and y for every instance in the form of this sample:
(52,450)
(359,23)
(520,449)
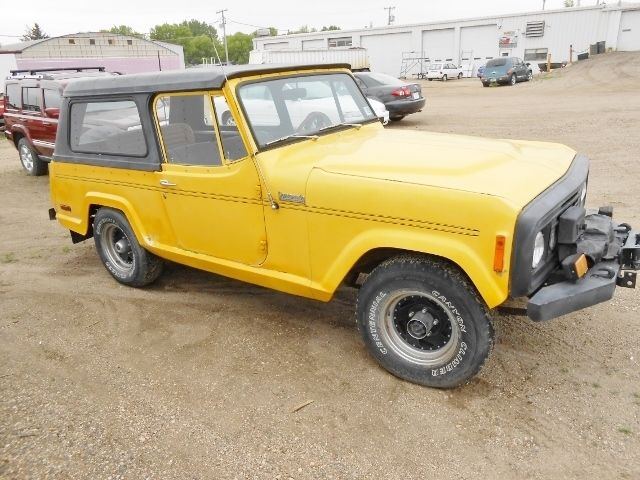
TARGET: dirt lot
(198,376)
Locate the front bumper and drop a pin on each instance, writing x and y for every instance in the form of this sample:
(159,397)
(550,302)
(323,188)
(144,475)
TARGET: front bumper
(614,251)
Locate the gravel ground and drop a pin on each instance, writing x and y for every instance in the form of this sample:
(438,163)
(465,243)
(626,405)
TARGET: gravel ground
(199,376)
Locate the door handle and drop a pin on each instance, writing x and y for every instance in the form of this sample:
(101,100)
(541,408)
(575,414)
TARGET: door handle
(167,183)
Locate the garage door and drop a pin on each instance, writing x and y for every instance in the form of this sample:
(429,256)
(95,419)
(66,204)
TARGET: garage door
(385,51)
(317,44)
(439,45)
(629,36)
(478,43)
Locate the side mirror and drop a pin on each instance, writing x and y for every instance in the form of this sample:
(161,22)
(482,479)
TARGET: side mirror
(52,112)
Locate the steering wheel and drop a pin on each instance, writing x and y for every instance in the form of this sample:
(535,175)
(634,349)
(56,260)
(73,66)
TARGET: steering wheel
(314,122)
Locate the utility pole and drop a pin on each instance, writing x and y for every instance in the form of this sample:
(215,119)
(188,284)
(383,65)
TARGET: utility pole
(391,17)
(224,34)
(543,3)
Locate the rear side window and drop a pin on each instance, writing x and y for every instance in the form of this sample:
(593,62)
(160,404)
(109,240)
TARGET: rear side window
(110,128)
(497,62)
(13,98)
(32,99)
(51,98)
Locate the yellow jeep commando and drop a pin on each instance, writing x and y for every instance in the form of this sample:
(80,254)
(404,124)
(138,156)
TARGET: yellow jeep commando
(284,177)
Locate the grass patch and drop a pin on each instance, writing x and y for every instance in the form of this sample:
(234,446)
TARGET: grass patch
(625,430)
(8,258)
(66,249)
(595,385)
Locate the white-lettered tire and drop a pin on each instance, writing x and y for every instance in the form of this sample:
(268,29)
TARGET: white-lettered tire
(120,251)
(423,322)
(30,160)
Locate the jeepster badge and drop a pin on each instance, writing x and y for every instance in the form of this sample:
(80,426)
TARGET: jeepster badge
(290,197)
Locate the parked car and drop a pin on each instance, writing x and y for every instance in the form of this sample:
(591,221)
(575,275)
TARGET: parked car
(507,71)
(1,110)
(435,230)
(32,105)
(400,98)
(444,72)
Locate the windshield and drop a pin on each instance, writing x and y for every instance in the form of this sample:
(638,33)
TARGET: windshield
(278,110)
(435,66)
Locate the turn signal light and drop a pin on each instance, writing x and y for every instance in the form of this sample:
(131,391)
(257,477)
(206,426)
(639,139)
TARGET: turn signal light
(498,257)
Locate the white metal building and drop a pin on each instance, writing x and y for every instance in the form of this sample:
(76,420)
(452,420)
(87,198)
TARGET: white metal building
(473,41)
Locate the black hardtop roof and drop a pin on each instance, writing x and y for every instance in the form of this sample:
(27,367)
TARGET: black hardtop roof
(178,80)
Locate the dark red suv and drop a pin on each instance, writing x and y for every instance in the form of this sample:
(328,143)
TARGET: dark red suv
(31,109)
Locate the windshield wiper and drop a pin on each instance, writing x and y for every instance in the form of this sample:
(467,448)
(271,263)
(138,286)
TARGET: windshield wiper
(293,135)
(343,124)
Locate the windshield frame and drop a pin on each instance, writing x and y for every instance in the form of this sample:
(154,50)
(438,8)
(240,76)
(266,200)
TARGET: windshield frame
(294,139)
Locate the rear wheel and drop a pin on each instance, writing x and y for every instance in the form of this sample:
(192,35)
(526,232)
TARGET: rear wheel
(423,322)
(30,160)
(227,120)
(120,251)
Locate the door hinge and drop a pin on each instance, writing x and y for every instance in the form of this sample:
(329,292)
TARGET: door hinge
(263,245)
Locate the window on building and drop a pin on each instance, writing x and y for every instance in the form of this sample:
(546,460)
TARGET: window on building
(13,98)
(129,42)
(109,128)
(535,29)
(32,99)
(187,129)
(340,42)
(532,54)
(110,41)
(72,41)
(51,98)
(92,41)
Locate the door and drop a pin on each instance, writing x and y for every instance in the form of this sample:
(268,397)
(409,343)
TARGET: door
(52,100)
(211,188)
(32,118)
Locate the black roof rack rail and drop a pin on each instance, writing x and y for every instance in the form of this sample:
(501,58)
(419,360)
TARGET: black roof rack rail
(35,71)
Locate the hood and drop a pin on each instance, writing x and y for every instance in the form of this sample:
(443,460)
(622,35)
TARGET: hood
(516,171)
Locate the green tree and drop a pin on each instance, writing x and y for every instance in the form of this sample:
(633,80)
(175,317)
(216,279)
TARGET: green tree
(171,32)
(239,45)
(569,3)
(329,28)
(302,29)
(123,30)
(197,28)
(198,39)
(34,33)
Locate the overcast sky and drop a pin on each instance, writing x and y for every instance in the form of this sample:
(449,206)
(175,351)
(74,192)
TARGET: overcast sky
(71,16)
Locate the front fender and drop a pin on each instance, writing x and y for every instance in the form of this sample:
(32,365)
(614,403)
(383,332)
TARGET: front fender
(473,254)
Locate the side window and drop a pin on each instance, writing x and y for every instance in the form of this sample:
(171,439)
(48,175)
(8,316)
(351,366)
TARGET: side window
(13,98)
(232,145)
(32,99)
(188,130)
(51,98)
(109,128)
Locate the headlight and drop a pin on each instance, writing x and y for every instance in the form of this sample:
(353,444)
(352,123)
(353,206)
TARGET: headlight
(538,250)
(583,194)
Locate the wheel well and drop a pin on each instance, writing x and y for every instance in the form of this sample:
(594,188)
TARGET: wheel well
(370,260)
(16,138)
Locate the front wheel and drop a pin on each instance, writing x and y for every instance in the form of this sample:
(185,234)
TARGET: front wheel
(423,322)
(120,251)
(30,160)
(444,78)
(513,80)
(460,76)
(529,76)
